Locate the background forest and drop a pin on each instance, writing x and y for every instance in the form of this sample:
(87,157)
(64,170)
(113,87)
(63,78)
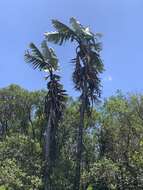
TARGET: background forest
(113,142)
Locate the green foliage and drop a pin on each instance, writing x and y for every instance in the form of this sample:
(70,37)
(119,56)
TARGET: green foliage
(21,163)
(112,143)
(44,60)
(88,64)
(2,188)
(90,187)
(64,33)
(18,107)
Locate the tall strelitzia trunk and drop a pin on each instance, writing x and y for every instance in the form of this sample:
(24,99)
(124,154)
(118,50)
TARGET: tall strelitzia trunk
(80,141)
(79,149)
(47,158)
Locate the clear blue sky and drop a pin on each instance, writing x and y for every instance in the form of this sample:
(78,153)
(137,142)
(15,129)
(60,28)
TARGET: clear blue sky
(120,22)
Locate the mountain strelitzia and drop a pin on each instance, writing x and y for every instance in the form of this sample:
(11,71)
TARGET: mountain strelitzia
(55,100)
(88,66)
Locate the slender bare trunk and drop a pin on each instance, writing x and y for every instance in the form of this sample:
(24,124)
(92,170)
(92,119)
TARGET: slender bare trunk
(80,141)
(79,150)
(47,160)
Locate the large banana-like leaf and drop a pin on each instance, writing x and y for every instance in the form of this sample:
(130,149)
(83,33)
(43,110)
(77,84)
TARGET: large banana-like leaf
(53,59)
(43,60)
(79,29)
(36,52)
(63,33)
(35,61)
(49,55)
(45,50)
(53,37)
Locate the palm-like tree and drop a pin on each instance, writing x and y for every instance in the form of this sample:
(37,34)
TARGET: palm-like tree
(45,59)
(88,66)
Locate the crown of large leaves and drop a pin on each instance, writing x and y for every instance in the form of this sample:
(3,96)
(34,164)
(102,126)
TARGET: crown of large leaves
(64,33)
(43,59)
